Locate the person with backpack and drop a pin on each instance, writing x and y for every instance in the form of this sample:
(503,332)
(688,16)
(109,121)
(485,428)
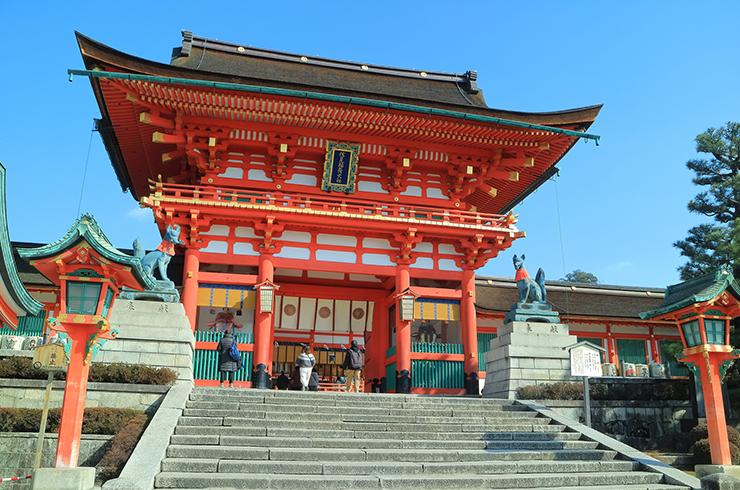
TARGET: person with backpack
(227,363)
(305,362)
(352,366)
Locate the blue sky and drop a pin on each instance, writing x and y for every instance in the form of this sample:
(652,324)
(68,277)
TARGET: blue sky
(665,72)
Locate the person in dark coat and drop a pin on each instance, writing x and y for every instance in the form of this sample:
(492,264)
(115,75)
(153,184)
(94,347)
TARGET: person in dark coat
(295,380)
(352,366)
(226,365)
(313,381)
(282,382)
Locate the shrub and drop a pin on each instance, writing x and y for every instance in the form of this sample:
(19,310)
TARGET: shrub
(676,390)
(551,391)
(123,444)
(106,421)
(21,368)
(131,373)
(699,437)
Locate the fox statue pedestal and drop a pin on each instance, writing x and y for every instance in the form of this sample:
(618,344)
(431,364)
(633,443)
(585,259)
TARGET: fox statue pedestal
(529,347)
(527,353)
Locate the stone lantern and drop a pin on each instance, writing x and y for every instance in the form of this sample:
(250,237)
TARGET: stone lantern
(702,309)
(90,273)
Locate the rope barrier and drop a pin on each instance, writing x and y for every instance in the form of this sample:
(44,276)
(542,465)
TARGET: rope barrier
(15,478)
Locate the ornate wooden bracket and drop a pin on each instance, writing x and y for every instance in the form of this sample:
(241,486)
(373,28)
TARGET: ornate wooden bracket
(405,241)
(398,160)
(478,250)
(465,172)
(281,149)
(196,223)
(269,229)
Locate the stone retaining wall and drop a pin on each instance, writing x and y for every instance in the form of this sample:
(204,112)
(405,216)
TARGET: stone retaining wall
(29,393)
(18,454)
(641,424)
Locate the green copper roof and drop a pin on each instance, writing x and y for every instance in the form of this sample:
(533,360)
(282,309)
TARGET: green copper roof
(698,290)
(85,227)
(8,271)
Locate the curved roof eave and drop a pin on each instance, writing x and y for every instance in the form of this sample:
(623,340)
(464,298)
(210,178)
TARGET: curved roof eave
(24,302)
(87,228)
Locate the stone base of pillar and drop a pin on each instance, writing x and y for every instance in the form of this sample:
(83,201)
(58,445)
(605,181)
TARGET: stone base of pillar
(63,479)
(403,382)
(472,384)
(260,378)
(524,354)
(703,470)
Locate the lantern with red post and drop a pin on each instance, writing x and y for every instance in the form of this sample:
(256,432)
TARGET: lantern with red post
(703,308)
(90,273)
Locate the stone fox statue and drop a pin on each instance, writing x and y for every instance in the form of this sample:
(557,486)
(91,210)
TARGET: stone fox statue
(159,258)
(530,290)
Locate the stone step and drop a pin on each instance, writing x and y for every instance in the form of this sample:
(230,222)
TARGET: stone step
(282,420)
(298,436)
(422,481)
(386,468)
(355,401)
(360,415)
(211,393)
(554,432)
(223,409)
(641,486)
(332,442)
(382,454)
(234,403)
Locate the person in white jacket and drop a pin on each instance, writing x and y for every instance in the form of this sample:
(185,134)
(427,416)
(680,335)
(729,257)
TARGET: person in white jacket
(305,362)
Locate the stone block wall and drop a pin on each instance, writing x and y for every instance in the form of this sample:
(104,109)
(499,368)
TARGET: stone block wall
(524,354)
(153,333)
(18,455)
(29,393)
(644,425)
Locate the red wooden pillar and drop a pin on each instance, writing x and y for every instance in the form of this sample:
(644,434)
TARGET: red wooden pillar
(381,340)
(715,411)
(469,332)
(262,362)
(403,335)
(75,391)
(190,284)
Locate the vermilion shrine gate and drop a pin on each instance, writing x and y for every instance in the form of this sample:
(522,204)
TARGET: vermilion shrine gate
(343,184)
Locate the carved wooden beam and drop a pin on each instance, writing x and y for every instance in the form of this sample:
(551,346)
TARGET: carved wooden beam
(281,148)
(399,160)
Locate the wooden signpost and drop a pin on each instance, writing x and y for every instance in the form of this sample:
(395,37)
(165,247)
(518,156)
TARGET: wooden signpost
(585,360)
(50,358)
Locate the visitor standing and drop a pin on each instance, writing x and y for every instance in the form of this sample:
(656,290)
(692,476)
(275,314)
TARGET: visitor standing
(305,362)
(352,366)
(226,364)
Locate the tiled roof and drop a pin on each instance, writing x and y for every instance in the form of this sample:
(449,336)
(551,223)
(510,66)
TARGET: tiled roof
(697,290)
(86,228)
(304,72)
(498,294)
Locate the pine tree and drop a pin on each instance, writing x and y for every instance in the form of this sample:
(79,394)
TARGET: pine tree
(580,276)
(711,245)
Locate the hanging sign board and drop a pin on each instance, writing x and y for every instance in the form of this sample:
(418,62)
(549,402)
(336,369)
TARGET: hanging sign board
(50,357)
(340,167)
(585,360)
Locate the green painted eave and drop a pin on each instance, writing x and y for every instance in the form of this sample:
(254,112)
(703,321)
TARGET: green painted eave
(9,272)
(355,101)
(698,290)
(86,228)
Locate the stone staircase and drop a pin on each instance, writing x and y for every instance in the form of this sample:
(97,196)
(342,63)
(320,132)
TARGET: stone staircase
(233,438)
